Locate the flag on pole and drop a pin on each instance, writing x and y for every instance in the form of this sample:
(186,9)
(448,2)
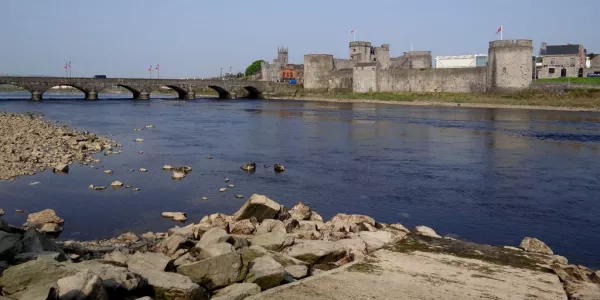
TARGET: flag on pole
(150,68)
(353,31)
(66,66)
(157,67)
(500,31)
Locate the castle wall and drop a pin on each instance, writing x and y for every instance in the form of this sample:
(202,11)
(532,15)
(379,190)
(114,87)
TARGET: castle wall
(464,80)
(317,70)
(365,78)
(340,63)
(341,81)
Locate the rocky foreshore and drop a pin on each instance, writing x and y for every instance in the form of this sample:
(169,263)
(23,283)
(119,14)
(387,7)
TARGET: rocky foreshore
(29,144)
(262,246)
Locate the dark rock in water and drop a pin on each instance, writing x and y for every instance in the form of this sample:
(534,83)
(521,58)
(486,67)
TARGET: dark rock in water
(278,168)
(267,166)
(249,167)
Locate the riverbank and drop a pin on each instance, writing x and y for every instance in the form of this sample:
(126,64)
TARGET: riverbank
(264,245)
(570,100)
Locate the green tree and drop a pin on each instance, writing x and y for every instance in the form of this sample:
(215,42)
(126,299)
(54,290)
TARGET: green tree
(253,68)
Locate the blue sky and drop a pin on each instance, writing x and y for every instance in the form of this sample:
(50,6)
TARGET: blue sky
(195,38)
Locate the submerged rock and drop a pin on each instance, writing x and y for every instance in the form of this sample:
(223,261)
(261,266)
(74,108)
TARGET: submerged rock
(61,168)
(116,184)
(177,216)
(178,175)
(279,168)
(249,167)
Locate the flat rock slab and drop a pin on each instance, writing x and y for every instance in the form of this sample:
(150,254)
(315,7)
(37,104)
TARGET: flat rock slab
(420,268)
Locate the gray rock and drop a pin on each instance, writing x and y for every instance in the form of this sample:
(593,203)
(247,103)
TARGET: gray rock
(74,247)
(62,168)
(245,227)
(213,250)
(258,206)
(356,248)
(10,245)
(291,225)
(150,261)
(37,292)
(310,225)
(354,219)
(376,240)
(300,212)
(200,229)
(272,241)
(248,255)
(217,220)
(307,235)
(84,285)
(173,243)
(186,232)
(534,245)
(118,256)
(579,290)
(27,256)
(212,236)
(33,273)
(316,252)
(398,227)
(270,225)
(236,241)
(173,286)
(294,272)
(237,291)
(215,272)
(278,168)
(35,241)
(45,221)
(116,280)
(426,231)
(314,216)
(284,259)
(266,272)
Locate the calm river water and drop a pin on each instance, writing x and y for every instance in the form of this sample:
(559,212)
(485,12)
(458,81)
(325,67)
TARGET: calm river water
(483,175)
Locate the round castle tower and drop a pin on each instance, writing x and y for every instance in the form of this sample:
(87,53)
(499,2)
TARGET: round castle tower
(509,65)
(317,68)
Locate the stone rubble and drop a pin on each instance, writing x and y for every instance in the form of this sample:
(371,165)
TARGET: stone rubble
(261,246)
(29,144)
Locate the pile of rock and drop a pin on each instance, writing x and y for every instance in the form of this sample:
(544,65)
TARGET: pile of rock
(29,144)
(261,246)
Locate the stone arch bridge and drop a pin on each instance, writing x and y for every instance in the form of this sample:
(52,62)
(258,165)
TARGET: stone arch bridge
(141,88)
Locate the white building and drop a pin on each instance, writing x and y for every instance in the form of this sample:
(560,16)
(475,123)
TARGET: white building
(461,61)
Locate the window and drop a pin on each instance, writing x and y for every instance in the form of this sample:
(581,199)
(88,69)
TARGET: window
(552,61)
(572,61)
(551,70)
(354,50)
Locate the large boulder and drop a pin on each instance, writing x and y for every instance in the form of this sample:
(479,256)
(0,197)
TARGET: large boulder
(212,236)
(354,219)
(284,259)
(45,221)
(270,225)
(118,281)
(300,212)
(173,286)
(186,232)
(150,261)
(291,225)
(265,271)
(274,241)
(534,245)
(213,250)
(118,255)
(10,245)
(356,248)
(84,285)
(237,291)
(245,227)
(578,290)
(35,273)
(200,229)
(317,252)
(215,272)
(376,240)
(248,255)
(310,225)
(35,241)
(258,206)
(173,243)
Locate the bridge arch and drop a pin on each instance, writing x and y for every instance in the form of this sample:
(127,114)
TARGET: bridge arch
(11,91)
(52,90)
(223,93)
(181,92)
(134,92)
(253,92)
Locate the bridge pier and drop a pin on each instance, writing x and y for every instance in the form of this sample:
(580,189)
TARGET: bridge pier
(190,95)
(36,96)
(143,96)
(91,96)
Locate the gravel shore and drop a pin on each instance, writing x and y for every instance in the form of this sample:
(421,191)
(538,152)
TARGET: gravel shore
(29,144)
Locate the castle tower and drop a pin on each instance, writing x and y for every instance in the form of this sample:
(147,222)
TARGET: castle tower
(509,65)
(361,52)
(282,55)
(317,68)
(382,56)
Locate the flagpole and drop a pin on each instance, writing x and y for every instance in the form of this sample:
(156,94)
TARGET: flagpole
(501,32)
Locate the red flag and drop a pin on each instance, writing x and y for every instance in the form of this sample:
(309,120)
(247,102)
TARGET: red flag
(150,69)
(499,30)
(65,67)
(157,67)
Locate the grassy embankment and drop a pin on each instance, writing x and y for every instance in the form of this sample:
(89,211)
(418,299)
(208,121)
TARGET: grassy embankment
(577,98)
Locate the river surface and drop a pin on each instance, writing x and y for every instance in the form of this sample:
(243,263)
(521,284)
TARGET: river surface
(484,175)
